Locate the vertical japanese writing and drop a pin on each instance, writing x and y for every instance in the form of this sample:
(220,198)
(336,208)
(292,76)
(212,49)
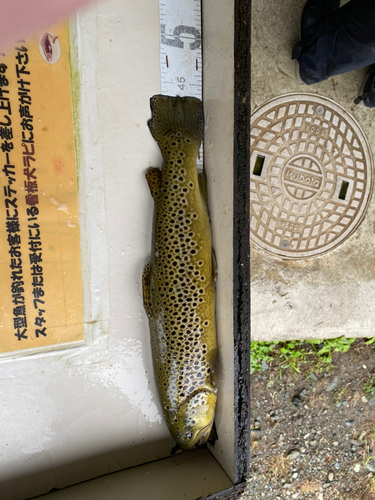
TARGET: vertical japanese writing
(11,209)
(40,265)
(31,188)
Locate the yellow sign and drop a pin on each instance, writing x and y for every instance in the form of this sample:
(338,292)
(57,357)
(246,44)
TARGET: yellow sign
(40,267)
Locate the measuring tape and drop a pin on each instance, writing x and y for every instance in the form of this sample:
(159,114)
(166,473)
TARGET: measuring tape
(181,50)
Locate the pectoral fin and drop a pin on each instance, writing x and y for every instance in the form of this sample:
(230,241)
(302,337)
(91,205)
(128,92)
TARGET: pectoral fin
(146,289)
(153,176)
(213,435)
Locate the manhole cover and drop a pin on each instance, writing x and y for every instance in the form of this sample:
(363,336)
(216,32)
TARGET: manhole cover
(310,175)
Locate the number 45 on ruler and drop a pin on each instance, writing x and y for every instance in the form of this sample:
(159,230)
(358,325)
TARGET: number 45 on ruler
(181,61)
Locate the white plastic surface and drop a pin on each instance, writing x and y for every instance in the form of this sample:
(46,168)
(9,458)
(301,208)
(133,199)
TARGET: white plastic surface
(218,35)
(188,476)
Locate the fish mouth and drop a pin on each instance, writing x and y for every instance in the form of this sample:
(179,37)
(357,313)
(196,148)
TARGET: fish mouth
(200,439)
(204,434)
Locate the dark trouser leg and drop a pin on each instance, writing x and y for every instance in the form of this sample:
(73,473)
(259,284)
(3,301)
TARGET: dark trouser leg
(314,14)
(345,41)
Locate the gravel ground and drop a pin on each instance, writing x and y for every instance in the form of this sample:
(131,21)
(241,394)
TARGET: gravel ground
(313,433)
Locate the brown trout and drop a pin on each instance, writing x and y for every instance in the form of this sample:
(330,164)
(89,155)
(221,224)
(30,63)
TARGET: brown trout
(179,282)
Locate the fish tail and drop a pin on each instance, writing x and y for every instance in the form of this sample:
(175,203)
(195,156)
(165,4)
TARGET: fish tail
(173,115)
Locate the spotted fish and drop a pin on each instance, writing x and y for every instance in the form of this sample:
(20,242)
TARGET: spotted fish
(179,282)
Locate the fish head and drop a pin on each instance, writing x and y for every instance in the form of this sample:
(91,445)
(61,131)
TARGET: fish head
(192,423)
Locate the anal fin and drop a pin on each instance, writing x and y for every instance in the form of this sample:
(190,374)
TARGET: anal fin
(146,288)
(153,177)
(214,267)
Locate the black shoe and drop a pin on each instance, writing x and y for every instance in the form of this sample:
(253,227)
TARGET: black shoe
(367,96)
(313,16)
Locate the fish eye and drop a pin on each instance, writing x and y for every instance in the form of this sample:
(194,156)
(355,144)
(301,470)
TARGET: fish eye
(187,436)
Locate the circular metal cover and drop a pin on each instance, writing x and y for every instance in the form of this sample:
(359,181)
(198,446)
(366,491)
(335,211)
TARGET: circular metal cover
(310,175)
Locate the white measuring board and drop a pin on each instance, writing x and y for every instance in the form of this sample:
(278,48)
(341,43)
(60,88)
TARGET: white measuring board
(181,50)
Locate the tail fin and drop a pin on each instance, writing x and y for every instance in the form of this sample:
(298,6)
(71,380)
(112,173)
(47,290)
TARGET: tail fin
(173,115)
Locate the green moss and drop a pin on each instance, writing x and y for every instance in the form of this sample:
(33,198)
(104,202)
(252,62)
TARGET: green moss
(75,92)
(261,351)
(369,387)
(293,353)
